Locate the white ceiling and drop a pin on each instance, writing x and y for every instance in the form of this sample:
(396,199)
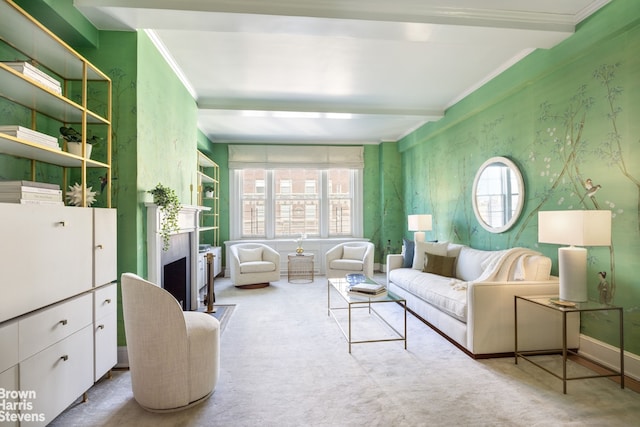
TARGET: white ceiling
(336,71)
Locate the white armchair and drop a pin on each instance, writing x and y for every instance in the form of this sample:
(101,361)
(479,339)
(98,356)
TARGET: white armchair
(253,265)
(350,257)
(174,356)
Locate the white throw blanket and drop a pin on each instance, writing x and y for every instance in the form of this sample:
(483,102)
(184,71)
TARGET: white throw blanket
(498,266)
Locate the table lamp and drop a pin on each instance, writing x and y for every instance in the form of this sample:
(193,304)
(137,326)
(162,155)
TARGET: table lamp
(419,223)
(579,228)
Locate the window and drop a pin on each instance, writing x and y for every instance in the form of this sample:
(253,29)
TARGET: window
(280,191)
(284,203)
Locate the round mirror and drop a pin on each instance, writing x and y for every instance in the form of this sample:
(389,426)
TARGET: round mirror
(498,194)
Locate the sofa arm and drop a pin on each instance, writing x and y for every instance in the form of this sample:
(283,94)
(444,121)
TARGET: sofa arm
(490,318)
(393,261)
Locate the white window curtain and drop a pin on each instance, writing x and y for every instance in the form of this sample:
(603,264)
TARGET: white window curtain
(287,156)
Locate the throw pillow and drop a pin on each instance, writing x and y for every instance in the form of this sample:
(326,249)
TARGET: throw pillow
(440,265)
(354,252)
(250,255)
(407,252)
(435,248)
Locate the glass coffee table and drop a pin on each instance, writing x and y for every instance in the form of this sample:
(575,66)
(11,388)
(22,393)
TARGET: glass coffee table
(340,286)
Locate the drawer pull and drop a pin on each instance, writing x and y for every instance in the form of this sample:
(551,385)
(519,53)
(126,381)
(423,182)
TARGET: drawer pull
(64,358)
(63,322)
(61,223)
(107,301)
(100,326)
(99,246)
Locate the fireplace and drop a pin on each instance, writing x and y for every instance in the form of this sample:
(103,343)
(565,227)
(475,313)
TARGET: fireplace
(175,273)
(176,268)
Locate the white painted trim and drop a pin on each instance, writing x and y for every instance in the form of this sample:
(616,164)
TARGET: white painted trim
(609,356)
(157,42)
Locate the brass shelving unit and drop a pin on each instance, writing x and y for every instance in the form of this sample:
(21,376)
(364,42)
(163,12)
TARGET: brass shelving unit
(35,44)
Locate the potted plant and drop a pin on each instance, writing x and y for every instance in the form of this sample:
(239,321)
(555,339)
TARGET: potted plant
(73,139)
(169,204)
(208,191)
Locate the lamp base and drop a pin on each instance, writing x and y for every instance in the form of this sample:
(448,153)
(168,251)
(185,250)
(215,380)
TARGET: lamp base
(572,265)
(418,236)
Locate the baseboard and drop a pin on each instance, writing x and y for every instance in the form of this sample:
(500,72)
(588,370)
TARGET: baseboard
(123,358)
(609,356)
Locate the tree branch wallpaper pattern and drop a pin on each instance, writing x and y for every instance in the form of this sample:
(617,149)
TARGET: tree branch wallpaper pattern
(572,126)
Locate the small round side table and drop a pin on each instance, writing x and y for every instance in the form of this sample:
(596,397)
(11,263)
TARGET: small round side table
(300,268)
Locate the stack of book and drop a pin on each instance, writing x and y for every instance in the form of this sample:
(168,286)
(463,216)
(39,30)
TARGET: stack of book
(369,289)
(31,135)
(40,76)
(28,192)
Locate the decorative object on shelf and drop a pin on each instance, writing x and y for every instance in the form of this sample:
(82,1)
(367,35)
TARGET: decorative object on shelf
(419,224)
(74,195)
(74,141)
(300,249)
(574,227)
(209,191)
(169,204)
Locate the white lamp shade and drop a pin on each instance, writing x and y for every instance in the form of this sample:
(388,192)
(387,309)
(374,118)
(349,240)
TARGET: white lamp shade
(579,228)
(575,228)
(419,222)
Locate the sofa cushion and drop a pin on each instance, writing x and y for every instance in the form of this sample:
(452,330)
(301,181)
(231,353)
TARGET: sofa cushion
(408,247)
(440,292)
(257,267)
(440,265)
(346,264)
(435,248)
(249,254)
(469,264)
(354,252)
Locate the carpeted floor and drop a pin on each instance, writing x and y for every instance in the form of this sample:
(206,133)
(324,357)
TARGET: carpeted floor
(223,313)
(284,362)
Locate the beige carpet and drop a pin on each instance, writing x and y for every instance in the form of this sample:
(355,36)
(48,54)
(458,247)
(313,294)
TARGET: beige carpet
(284,362)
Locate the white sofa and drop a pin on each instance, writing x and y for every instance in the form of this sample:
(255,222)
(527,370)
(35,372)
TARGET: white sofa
(474,309)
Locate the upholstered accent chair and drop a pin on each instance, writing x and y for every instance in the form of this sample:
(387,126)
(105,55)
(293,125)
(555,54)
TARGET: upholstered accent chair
(350,257)
(253,265)
(174,356)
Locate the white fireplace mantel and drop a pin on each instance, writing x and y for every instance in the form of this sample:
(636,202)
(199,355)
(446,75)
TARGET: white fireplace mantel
(188,222)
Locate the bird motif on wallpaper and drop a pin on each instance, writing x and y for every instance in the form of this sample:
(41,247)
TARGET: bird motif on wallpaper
(591,188)
(103,182)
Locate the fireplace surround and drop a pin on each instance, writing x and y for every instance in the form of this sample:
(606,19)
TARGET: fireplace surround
(183,244)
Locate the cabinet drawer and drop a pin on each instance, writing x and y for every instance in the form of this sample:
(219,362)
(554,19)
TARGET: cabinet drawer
(104,246)
(8,345)
(9,382)
(50,256)
(49,326)
(105,301)
(106,345)
(59,374)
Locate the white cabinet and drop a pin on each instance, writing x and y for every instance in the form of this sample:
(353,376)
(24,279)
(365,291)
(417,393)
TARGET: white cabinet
(9,382)
(58,326)
(105,330)
(45,256)
(46,327)
(104,246)
(58,375)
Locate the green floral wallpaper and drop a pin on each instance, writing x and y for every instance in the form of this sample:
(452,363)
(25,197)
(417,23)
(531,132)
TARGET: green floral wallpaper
(566,116)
